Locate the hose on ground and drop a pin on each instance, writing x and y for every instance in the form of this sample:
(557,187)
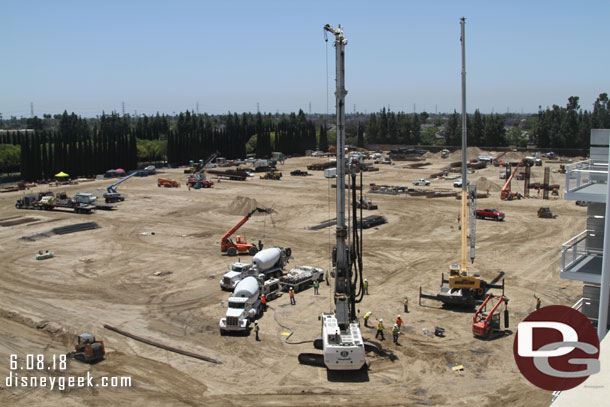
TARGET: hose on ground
(288,329)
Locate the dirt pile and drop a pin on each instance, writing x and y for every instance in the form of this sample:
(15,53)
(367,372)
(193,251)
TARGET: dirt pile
(242,205)
(483,184)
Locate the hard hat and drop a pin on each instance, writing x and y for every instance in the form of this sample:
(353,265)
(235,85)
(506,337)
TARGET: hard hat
(398,316)
(256,322)
(395,324)
(366,279)
(380,319)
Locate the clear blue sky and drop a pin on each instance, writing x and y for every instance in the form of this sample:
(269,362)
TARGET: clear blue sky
(89,56)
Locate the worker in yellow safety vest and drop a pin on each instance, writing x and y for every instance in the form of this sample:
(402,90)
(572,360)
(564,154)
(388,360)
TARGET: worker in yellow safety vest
(366,286)
(406,304)
(538,302)
(366,318)
(380,330)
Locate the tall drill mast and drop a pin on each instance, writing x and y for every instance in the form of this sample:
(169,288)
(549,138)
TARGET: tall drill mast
(343,289)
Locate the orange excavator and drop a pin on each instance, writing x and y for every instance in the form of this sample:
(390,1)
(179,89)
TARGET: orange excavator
(486,324)
(506,193)
(241,245)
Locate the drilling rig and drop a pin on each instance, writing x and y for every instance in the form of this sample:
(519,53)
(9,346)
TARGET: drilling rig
(342,341)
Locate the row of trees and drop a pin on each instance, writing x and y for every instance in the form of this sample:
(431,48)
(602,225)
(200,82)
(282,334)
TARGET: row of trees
(570,127)
(81,146)
(77,149)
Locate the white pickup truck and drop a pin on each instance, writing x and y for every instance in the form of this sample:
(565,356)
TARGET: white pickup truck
(421,181)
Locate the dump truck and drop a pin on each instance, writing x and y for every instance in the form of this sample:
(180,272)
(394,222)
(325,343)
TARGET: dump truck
(301,277)
(244,306)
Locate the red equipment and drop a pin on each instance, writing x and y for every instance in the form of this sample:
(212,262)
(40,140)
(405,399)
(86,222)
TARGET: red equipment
(506,193)
(485,324)
(240,245)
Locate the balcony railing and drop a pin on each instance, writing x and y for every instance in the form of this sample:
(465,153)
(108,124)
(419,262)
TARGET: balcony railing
(578,257)
(585,173)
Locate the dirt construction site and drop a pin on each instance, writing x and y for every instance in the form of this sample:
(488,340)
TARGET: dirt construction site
(153,266)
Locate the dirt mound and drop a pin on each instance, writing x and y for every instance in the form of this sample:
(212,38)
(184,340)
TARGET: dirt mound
(242,205)
(472,153)
(483,184)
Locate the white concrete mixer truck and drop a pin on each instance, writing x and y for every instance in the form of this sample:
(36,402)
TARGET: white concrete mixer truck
(268,262)
(244,306)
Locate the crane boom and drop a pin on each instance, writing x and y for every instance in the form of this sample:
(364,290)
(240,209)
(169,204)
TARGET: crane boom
(242,221)
(504,194)
(112,187)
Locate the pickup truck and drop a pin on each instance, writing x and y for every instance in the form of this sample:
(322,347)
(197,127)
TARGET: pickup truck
(421,181)
(489,213)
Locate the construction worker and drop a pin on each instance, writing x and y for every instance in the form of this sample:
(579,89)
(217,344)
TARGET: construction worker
(395,332)
(326,277)
(316,285)
(366,318)
(380,329)
(538,303)
(291,293)
(366,286)
(399,321)
(256,330)
(264,302)
(406,304)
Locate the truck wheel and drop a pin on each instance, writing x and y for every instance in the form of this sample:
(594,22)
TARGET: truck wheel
(222,332)
(252,250)
(496,218)
(232,251)
(288,252)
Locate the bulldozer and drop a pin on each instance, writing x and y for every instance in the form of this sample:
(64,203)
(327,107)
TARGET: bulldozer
(88,349)
(545,212)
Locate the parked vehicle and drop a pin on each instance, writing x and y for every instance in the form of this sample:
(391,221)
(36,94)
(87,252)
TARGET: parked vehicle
(489,214)
(301,277)
(421,181)
(244,306)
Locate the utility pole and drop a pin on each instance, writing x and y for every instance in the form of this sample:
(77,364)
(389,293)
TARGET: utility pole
(197,107)
(258,107)
(31,109)
(310,108)
(123,108)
